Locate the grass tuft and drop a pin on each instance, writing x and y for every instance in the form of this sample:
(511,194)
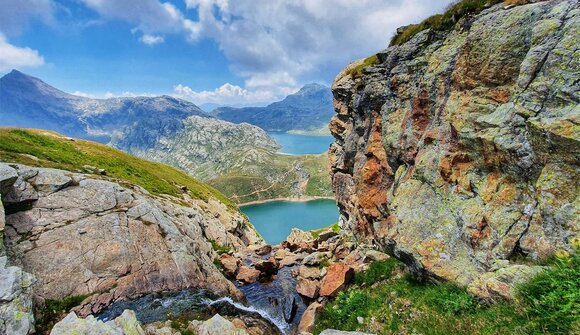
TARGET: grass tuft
(356,71)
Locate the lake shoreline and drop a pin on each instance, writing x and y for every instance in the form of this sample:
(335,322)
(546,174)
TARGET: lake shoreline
(288,199)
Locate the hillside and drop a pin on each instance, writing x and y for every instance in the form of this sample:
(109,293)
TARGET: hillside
(309,109)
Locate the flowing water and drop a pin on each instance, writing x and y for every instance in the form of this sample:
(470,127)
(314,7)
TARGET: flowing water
(275,220)
(302,144)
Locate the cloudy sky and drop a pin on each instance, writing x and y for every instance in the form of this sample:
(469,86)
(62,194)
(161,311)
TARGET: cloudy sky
(206,51)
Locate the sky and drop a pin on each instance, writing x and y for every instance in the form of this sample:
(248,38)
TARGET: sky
(230,52)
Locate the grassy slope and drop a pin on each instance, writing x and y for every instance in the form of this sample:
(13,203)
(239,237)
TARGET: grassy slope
(56,151)
(255,183)
(547,304)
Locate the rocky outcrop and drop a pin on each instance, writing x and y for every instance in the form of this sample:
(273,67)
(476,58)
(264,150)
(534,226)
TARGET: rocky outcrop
(125,324)
(86,235)
(458,152)
(16,316)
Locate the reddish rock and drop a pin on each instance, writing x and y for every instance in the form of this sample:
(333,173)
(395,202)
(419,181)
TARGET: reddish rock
(264,250)
(248,275)
(309,318)
(338,276)
(267,268)
(308,288)
(229,264)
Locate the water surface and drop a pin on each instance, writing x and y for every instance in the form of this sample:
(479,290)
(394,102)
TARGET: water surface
(302,144)
(275,220)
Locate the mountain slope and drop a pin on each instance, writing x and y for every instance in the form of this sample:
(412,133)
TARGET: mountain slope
(309,109)
(168,130)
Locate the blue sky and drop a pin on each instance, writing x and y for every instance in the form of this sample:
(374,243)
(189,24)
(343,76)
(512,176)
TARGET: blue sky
(205,51)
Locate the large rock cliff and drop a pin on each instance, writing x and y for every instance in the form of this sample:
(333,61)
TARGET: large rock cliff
(458,152)
(90,235)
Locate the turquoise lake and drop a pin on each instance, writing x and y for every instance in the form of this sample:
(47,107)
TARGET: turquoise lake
(302,144)
(275,220)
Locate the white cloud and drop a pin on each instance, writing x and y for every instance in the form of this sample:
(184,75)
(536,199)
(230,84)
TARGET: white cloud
(15,14)
(229,94)
(13,57)
(151,40)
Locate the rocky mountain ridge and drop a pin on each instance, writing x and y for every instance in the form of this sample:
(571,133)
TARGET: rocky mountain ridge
(309,109)
(458,151)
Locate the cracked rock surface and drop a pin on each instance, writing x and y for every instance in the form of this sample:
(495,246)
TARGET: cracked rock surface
(83,234)
(459,152)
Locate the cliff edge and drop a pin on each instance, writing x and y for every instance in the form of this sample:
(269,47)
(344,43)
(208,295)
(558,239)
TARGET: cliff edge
(458,152)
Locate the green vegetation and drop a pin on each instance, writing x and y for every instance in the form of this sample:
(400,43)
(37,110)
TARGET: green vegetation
(49,149)
(316,233)
(445,21)
(275,176)
(548,303)
(377,271)
(219,249)
(356,71)
(55,310)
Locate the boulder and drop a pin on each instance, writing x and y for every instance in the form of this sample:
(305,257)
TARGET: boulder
(298,236)
(308,272)
(125,324)
(323,237)
(289,308)
(248,275)
(217,325)
(8,176)
(337,277)
(263,250)
(229,264)
(308,288)
(267,268)
(290,260)
(308,320)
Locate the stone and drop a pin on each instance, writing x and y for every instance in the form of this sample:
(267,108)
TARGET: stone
(263,250)
(217,325)
(308,272)
(308,320)
(459,148)
(325,236)
(267,268)
(229,264)
(125,324)
(338,276)
(298,236)
(313,259)
(290,260)
(308,288)
(248,275)
(8,176)
(289,308)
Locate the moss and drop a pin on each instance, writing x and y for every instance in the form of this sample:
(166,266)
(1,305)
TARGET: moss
(445,21)
(356,71)
(56,151)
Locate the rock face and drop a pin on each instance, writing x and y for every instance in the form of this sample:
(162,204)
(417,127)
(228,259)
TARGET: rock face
(338,276)
(459,151)
(79,235)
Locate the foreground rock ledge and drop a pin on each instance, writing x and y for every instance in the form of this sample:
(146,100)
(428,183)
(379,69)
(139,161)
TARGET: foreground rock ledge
(459,151)
(82,234)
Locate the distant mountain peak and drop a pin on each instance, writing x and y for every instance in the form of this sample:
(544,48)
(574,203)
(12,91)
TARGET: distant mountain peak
(311,88)
(26,84)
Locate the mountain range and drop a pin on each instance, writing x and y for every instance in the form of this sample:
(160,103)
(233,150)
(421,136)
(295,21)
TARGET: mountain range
(168,130)
(309,109)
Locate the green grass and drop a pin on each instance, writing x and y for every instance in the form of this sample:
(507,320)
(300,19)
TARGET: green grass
(548,304)
(54,310)
(219,249)
(316,233)
(445,21)
(357,70)
(56,151)
(377,271)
